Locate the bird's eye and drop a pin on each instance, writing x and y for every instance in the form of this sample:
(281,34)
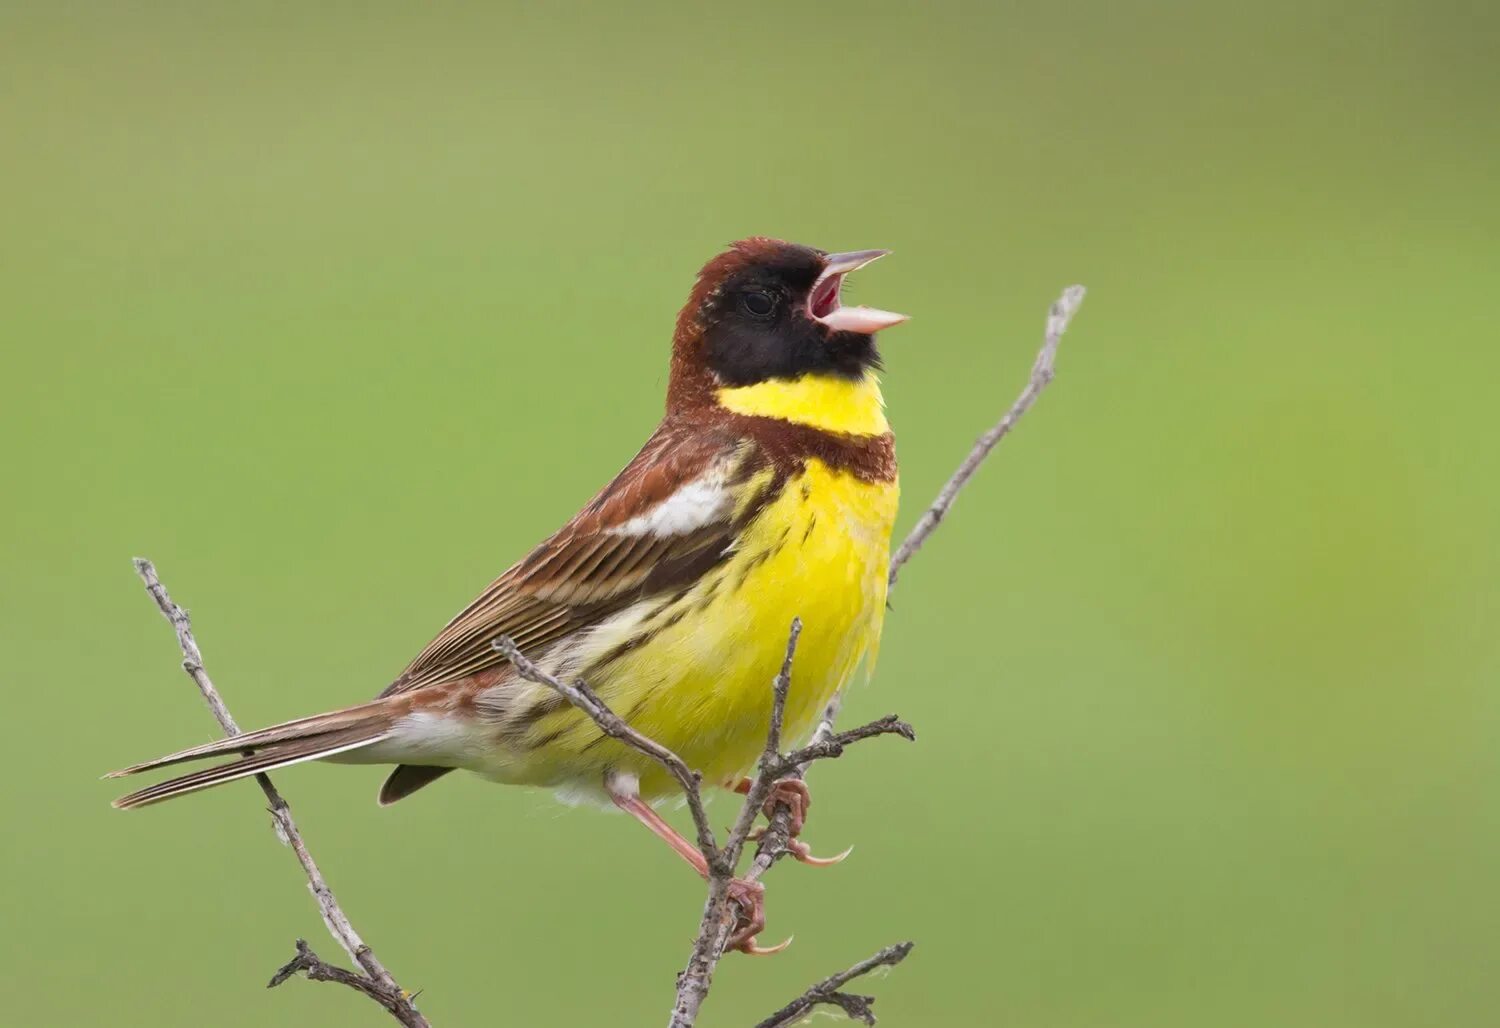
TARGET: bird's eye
(758,302)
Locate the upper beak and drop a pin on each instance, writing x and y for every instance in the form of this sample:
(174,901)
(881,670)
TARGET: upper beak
(823,300)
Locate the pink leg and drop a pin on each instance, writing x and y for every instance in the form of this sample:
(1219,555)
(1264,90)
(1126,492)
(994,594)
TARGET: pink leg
(749,896)
(646,815)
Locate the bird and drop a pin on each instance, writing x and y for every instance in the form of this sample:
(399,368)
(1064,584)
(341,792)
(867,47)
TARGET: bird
(769,489)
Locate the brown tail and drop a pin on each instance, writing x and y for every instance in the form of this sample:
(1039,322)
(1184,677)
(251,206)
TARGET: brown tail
(309,738)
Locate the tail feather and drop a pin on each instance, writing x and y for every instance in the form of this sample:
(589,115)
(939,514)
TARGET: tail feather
(277,755)
(292,742)
(377,712)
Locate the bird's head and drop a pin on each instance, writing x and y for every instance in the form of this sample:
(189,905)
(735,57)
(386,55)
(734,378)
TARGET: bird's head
(767,312)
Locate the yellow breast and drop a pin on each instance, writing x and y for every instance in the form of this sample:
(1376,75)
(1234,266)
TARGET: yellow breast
(701,685)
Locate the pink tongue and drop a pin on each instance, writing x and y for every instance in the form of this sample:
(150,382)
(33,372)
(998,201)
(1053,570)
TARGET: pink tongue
(865,320)
(827,298)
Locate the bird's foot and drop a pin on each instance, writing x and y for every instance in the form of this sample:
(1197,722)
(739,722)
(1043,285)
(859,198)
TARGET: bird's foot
(749,899)
(798,799)
(794,793)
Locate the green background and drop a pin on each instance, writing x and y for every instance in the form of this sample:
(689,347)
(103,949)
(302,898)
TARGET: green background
(332,310)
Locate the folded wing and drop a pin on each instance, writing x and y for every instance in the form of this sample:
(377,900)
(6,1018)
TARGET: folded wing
(672,514)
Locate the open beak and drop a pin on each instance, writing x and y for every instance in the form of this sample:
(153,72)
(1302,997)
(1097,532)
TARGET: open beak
(824,304)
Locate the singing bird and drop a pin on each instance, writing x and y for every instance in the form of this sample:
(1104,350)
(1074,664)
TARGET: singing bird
(768,490)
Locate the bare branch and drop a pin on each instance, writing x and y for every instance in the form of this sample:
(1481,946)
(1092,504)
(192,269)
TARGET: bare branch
(715,927)
(1042,373)
(832,744)
(781,687)
(316,969)
(696,978)
(776,838)
(377,982)
(828,991)
(760,785)
(192,657)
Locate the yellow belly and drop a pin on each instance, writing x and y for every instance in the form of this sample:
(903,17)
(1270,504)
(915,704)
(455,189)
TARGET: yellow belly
(702,684)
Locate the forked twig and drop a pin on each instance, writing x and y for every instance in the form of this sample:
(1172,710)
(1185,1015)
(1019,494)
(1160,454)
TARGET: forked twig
(376,982)
(829,991)
(1042,373)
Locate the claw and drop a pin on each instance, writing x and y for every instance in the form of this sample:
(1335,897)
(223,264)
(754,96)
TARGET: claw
(803,854)
(749,946)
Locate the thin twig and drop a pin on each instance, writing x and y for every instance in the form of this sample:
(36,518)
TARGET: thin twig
(715,928)
(770,758)
(1042,373)
(308,963)
(776,837)
(717,922)
(377,982)
(829,991)
(832,744)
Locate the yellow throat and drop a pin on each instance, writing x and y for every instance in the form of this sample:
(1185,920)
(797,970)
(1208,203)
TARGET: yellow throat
(850,407)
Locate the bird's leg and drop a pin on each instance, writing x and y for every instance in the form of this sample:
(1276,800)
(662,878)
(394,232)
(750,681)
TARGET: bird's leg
(798,799)
(747,895)
(647,815)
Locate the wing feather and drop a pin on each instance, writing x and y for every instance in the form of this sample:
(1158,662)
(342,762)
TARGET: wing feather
(673,513)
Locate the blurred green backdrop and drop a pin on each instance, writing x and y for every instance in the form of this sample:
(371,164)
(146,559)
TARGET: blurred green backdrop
(332,310)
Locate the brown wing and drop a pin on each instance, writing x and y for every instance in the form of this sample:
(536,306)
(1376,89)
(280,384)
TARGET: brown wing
(625,545)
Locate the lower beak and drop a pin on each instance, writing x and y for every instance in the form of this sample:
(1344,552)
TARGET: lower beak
(824,296)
